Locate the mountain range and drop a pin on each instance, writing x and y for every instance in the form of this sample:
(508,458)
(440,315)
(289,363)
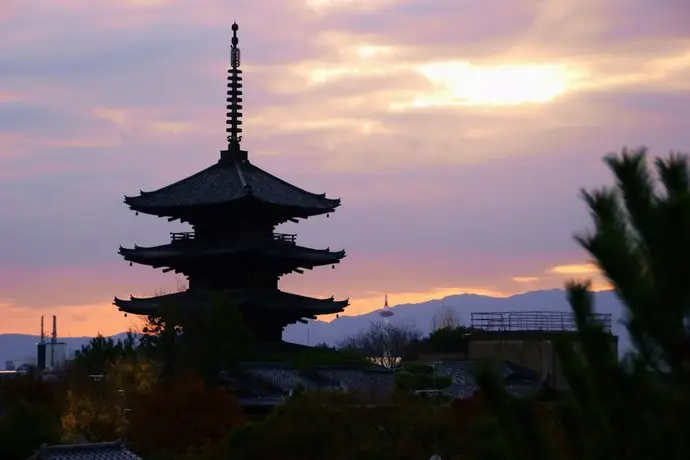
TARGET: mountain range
(22,347)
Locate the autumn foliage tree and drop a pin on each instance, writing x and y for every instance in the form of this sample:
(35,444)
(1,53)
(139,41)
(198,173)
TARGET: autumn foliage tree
(24,427)
(95,406)
(342,426)
(181,415)
(637,407)
(204,341)
(100,352)
(29,415)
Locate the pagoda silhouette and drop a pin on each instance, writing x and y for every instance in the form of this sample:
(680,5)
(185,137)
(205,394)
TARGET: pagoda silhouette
(234,207)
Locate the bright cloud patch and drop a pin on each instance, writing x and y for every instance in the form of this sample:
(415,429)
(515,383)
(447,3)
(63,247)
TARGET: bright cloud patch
(525,279)
(574,269)
(461,83)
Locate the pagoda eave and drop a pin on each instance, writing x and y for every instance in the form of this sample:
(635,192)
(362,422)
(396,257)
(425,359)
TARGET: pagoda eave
(278,302)
(189,213)
(231,185)
(173,254)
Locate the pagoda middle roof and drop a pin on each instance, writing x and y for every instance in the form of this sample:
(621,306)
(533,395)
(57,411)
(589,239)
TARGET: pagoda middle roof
(227,182)
(195,250)
(269,299)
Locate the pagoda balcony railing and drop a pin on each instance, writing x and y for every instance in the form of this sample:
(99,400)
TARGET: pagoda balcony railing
(181,236)
(285,237)
(189,236)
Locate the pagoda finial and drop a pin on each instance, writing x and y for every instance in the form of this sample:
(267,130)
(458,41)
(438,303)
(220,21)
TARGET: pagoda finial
(234,99)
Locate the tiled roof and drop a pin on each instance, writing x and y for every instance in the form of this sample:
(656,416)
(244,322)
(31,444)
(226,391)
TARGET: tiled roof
(186,250)
(380,382)
(518,380)
(99,451)
(228,182)
(267,299)
(283,378)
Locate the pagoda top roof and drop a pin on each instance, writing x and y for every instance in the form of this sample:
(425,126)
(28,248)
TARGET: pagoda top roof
(226,182)
(233,178)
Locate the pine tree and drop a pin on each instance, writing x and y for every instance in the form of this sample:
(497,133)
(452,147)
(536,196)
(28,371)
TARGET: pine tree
(637,407)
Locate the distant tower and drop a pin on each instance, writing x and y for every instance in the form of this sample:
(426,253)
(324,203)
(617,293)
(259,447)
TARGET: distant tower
(53,336)
(386,312)
(51,355)
(41,348)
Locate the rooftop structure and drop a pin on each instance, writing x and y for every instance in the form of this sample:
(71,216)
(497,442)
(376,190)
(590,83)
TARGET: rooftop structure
(234,207)
(531,321)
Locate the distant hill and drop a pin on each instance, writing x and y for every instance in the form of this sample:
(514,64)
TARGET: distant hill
(21,347)
(421,314)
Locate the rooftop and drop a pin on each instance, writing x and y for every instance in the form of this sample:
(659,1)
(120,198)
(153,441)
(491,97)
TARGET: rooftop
(272,382)
(95,451)
(226,183)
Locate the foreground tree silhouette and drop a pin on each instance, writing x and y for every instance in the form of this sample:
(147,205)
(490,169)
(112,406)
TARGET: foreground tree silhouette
(24,427)
(638,407)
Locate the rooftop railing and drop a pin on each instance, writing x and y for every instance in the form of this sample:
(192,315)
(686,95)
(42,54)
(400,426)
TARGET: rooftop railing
(285,237)
(522,321)
(188,236)
(181,236)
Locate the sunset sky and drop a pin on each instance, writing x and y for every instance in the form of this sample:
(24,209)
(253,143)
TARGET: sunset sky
(457,133)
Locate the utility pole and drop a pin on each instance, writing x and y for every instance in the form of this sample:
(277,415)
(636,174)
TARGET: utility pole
(125,421)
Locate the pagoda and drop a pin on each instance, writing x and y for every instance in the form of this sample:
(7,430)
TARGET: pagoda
(233,208)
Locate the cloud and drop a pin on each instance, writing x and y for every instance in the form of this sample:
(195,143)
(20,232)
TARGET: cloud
(575,269)
(525,279)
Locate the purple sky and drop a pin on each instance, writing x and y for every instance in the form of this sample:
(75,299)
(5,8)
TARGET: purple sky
(457,134)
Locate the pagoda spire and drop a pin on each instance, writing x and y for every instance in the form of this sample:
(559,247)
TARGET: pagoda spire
(234,100)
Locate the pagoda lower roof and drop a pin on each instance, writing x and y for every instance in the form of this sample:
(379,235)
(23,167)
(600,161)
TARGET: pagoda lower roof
(228,182)
(193,249)
(266,299)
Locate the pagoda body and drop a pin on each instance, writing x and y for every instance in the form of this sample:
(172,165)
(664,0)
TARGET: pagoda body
(234,207)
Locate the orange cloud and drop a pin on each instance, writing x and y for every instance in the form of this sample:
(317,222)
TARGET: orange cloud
(73,321)
(575,269)
(525,279)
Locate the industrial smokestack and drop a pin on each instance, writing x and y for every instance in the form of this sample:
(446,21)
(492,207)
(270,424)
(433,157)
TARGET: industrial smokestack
(43,331)
(54,336)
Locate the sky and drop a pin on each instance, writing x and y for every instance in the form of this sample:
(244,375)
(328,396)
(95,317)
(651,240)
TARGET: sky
(457,133)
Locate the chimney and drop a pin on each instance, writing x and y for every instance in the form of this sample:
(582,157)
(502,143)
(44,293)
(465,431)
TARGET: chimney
(43,333)
(54,336)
